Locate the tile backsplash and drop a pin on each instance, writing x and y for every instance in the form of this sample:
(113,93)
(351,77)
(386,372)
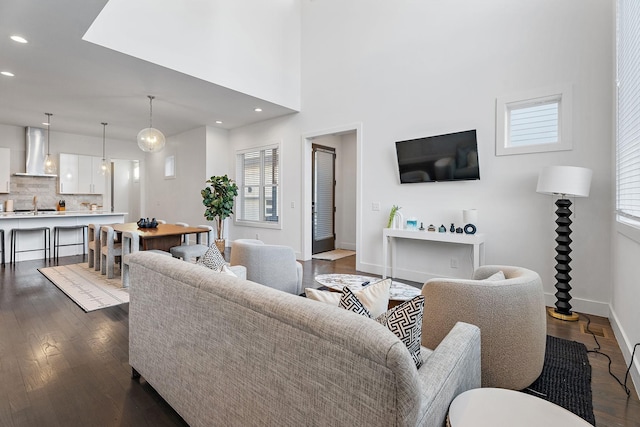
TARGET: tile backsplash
(23,188)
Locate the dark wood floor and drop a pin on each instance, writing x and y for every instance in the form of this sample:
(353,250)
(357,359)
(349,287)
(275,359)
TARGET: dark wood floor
(60,366)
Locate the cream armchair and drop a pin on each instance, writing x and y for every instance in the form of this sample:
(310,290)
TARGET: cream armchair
(270,265)
(510,314)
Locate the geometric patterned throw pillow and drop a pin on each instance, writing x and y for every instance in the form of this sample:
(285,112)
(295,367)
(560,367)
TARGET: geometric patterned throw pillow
(212,259)
(405,321)
(350,301)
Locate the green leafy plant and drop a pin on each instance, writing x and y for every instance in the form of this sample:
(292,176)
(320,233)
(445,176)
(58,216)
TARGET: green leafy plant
(218,198)
(394,210)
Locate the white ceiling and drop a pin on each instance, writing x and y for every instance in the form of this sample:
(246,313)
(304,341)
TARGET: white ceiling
(84,84)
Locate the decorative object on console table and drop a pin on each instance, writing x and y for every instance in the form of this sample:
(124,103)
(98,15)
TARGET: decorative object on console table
(412,223)
(395,217)
(564,181)
(470,220)
(218,198)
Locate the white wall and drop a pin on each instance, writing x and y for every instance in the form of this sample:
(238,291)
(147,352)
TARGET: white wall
(178,199)
(252,46)
(411,69)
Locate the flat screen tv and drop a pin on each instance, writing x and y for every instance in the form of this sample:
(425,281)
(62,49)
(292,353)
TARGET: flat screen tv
(449,157)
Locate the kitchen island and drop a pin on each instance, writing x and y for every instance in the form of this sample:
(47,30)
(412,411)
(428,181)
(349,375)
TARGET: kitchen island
(50,219)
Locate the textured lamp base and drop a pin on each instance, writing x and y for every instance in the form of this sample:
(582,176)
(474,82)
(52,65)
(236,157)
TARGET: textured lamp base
(573,317)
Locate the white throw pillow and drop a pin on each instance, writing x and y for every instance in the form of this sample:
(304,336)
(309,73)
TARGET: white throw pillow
(374,297)
(226,270)
(496,276)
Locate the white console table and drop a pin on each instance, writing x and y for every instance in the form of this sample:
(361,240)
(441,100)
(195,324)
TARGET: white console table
(390,234)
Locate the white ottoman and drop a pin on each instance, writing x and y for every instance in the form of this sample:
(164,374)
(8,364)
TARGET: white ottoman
(499,407)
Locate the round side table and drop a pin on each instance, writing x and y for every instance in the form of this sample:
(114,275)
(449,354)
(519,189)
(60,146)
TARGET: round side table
(499,407)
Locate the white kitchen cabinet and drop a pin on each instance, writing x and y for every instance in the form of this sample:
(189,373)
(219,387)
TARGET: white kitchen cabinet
(5,175)
(83,175)
(91,179)
(68,173)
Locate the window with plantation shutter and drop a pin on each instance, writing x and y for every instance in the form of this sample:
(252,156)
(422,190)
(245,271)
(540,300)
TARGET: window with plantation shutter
(258,177)
(534,122)
(628,111)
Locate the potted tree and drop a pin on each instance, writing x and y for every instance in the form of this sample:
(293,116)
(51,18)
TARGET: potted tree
(218,198)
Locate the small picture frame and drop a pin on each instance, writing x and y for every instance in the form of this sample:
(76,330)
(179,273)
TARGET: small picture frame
(170,167)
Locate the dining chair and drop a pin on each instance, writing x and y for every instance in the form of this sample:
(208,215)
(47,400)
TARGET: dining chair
(109,250)
(93,253)
(189,252)
(130,245)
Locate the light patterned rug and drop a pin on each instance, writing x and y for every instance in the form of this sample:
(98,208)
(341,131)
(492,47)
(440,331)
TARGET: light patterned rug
(87,287)
(333,255)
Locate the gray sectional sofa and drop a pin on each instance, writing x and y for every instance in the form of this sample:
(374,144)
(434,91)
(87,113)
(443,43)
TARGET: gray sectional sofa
(230,352)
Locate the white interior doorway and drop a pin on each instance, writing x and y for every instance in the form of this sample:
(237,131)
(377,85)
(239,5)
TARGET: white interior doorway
(125,188)
(347,140)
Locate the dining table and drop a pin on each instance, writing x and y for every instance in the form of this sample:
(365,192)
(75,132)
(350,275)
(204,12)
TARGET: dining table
(163,237)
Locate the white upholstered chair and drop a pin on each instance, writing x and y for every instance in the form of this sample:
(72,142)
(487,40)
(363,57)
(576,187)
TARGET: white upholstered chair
(271,265)
(510,313)
(109,250)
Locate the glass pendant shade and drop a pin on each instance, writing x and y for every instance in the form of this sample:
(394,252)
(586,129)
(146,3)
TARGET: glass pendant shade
(49,162)
(151,140)
(104,165)
(50,165)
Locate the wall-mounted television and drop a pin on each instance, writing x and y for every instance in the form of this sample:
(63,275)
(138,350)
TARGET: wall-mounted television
(449,157)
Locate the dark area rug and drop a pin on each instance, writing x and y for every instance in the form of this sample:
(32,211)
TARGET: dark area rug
(566,378)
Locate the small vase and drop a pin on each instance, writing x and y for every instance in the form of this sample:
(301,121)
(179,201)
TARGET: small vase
(398,221)
(220,244)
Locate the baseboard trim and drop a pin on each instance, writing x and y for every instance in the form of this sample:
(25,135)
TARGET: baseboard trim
(626,347)
(581,305)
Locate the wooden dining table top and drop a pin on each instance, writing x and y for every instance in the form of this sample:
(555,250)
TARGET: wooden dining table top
(162,230)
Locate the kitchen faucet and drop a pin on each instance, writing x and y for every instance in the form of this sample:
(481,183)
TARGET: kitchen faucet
(35,205)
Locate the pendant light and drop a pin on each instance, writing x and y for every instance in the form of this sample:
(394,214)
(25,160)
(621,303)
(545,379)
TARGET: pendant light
(49,161)
(150,140)
(104,166)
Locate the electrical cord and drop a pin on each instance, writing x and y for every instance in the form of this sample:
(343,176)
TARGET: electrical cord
(597,351)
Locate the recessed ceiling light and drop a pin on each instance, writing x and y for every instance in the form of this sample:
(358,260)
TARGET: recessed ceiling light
(7,73)
(257,110)
(219,122)
(45,123)
(19,39)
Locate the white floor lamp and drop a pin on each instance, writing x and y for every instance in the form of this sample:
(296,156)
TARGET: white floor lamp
(564,181)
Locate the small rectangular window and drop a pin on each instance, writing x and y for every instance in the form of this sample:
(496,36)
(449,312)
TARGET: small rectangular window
(536,122)
(258,172)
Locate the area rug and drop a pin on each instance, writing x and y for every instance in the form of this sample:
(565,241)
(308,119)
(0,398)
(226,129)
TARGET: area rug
(566,378)
(87,287)
(333,255)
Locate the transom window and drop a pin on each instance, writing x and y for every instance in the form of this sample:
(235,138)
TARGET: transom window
(258,172)
(534,122)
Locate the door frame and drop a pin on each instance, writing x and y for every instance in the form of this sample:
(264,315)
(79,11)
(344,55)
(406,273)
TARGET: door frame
(332,151)
(307,141)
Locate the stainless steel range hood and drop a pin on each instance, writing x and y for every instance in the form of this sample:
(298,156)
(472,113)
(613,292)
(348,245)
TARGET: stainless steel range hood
(36,141)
